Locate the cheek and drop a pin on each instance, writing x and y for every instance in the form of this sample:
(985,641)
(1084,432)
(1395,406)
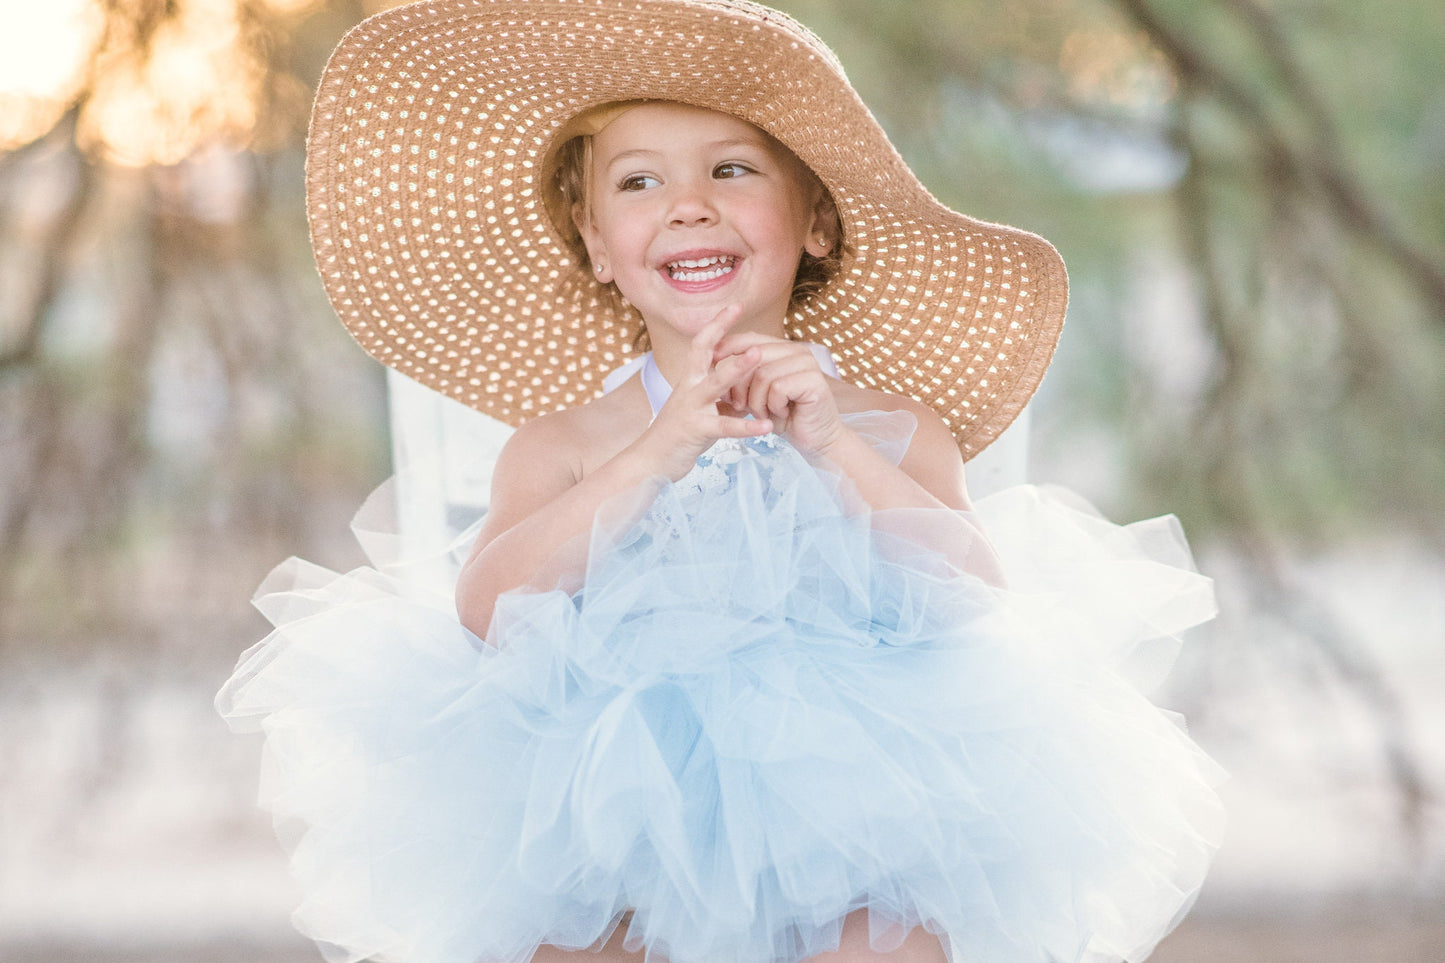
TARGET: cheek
(793,231)
(619,234)
(798,222)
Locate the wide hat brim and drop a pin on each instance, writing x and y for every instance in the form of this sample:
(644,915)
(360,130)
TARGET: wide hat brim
(428,137)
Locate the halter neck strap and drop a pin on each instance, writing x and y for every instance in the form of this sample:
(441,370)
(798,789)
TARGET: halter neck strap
(657,388)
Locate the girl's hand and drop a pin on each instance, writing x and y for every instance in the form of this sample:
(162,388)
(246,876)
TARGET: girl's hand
(691,420)
(786,387)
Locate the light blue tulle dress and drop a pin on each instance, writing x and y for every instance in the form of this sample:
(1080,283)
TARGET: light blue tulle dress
(761,710)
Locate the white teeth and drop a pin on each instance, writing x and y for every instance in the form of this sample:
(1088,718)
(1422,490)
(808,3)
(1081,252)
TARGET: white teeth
(688,268)
(700,275)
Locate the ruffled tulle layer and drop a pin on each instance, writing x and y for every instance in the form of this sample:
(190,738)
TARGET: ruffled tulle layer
(758,714)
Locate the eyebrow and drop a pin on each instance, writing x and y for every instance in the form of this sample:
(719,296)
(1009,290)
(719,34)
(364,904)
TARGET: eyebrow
(723,144)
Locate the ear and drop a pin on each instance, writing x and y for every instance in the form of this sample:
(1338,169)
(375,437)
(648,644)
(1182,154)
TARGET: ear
(823,229)
(592,240)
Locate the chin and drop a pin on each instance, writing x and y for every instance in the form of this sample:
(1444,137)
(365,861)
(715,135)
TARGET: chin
(693,314)
(691,319)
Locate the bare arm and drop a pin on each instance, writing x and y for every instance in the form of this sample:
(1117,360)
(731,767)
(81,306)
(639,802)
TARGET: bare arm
(931,475)
(540,503)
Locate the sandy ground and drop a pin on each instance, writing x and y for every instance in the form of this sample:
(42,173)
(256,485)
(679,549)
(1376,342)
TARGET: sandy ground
(1311,940)
(1336,938)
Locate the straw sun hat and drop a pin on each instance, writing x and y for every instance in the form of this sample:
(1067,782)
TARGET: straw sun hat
(429,135)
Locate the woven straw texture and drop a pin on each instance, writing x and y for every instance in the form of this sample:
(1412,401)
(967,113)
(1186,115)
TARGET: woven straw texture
(428,138)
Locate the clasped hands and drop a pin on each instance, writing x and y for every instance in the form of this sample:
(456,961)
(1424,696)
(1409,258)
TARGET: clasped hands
(731,376)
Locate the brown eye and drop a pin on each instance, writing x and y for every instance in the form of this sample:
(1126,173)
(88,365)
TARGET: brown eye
(730,169)
(638,182)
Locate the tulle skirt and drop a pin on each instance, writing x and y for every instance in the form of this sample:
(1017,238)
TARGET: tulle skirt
(759,711)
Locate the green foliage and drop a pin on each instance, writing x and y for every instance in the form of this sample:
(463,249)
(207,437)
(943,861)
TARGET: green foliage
(1257,182)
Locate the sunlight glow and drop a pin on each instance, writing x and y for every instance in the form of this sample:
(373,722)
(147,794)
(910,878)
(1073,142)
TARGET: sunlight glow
(293,6)
(197,79)
(43,51)
(1116,67)
(199,84)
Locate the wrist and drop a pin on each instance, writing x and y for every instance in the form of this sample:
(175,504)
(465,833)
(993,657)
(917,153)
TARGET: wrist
(837,446)
(651,456)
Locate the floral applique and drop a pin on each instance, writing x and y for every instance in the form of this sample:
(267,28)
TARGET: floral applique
(717,467)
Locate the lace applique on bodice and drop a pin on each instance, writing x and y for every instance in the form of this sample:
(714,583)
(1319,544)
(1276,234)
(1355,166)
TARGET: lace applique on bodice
(716,468)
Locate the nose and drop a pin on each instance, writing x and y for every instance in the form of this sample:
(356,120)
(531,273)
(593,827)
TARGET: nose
(692,204)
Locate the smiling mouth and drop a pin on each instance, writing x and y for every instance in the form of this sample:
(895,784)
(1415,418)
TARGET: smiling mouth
(701,269)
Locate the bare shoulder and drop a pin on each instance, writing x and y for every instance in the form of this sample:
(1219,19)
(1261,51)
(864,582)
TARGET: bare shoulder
(933,459)
(572,442)
(931,429)
(545,444)
(549,454)
(854,398)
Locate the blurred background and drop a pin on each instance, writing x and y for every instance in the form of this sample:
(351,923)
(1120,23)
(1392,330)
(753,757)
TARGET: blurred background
(1250,195)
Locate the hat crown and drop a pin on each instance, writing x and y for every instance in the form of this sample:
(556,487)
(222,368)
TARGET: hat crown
(778,20)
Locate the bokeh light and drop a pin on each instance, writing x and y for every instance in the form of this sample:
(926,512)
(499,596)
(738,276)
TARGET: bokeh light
(198,82)
(44,53)
(1116,68)
(194,75)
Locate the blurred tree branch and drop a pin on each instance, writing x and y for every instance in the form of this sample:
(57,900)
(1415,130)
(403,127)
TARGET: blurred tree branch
(1318,162)
(134,283)
(53,249)
(1233,418)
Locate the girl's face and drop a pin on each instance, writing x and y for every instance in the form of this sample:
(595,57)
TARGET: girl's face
(691,211)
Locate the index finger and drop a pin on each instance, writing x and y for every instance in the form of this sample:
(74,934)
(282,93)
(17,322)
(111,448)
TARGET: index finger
(701,354)
(739,341)
(770,347)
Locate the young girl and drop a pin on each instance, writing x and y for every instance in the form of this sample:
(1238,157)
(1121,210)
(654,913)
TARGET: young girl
(736,671)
